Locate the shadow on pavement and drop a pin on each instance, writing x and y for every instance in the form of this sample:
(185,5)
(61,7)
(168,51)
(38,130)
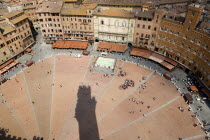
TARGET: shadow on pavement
(85,114)
(4,135)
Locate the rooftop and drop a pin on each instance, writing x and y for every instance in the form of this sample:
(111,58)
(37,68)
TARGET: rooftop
(115,13)
(111,47)
(115,2)
(3,11)
(69,1)
(12,14)
(50,7)
(196,5)
(70,9)
(6,28)
(30,7)
(171,1)
(29,1)
(18,19)
(146,14)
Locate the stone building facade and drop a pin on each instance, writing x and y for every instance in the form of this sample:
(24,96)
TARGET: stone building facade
(30,7)
(114,25)
(185,43)
(146,26)
(77,21)
(50,21)
(15,35)
(67,22)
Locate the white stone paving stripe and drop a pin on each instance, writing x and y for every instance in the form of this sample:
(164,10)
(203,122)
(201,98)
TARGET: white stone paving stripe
(129,94)
(52,96)
(159,108)
(29,97)
(110,82)
(67,117)
(15,117)
(194,137)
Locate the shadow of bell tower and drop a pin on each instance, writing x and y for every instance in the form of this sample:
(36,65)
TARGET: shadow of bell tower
(85,114)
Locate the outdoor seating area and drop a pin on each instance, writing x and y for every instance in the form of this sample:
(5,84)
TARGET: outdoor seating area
(111,47)
(2,80)
(86,53)
(7,66)
(29,63)
(193,89)
(29,51)
(82,45)
(168,76)
(164,61)
(188,98)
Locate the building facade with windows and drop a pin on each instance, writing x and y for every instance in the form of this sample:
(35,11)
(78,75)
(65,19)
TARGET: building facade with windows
(29,8)
(146,26)
(186,43)
(77,21)
(114,25)
(67,22)
(15,35)
(50,21)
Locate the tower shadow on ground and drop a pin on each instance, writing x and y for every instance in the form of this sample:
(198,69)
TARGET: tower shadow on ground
(5,136)
(85,114)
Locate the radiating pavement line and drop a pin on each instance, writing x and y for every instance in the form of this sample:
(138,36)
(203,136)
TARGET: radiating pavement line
(62,129)
(194,137)
(110,82)
(52,95)
(16,118)
(129,94)
(157,109)
(29,97)
(89,63)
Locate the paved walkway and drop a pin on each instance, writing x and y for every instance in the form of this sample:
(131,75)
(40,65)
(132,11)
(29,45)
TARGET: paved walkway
(53,87)
(159,108)
(194,137)
(43,50)
(15,117)
(129,94)
(29,97)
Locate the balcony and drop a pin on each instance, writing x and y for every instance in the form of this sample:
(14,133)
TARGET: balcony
(84,23)
(116,33)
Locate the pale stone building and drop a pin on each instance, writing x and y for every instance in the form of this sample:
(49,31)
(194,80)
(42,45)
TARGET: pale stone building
(114,25)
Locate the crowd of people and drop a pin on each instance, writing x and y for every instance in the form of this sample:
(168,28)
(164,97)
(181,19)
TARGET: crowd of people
(122,73)
(127,83)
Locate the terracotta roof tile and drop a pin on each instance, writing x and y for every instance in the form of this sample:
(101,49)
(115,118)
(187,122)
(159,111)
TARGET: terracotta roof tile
(12,14)
(18,19)
(146,14)
(6,28)
(115,13)
(111,47)
(115,2)
(30,7)
(50,7)
(70,9)
(70,45)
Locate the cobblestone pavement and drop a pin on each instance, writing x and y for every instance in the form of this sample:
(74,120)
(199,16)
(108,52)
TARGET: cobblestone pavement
(42,50)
